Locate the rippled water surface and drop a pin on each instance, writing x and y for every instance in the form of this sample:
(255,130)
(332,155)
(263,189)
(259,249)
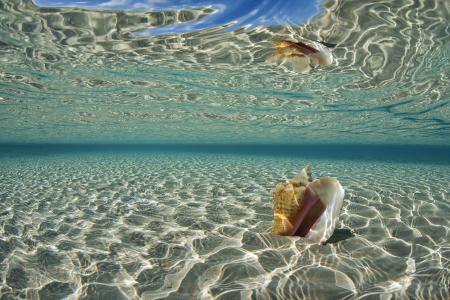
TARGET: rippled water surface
(139,142)
(101,74)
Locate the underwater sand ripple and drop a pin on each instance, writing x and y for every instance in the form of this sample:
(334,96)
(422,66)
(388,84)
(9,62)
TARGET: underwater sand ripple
(199,226)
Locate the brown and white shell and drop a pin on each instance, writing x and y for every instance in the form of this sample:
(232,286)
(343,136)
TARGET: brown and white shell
(307,208)
(303,55)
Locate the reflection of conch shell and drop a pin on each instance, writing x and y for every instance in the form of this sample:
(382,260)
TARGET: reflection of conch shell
(303,55)
(307,208)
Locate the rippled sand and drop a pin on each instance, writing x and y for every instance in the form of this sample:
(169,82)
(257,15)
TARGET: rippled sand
(199,226)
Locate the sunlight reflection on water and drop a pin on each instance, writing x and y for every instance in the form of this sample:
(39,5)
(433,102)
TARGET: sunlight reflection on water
(85,75)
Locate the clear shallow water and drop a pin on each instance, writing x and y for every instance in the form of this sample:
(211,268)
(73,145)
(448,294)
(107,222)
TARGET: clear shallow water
(206,127)
(91,75)
(137,224)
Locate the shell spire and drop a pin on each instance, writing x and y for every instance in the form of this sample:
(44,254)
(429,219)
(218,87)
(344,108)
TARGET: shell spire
(304,176)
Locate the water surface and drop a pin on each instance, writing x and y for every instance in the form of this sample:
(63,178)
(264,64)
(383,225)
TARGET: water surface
(100,75)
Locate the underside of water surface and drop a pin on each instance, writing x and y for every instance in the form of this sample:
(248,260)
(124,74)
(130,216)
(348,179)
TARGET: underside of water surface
(140,140)
(102,75)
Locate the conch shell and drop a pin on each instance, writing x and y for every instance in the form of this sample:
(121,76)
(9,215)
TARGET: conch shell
(304,55)
(307,208)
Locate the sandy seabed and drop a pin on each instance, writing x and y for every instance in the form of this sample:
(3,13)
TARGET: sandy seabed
(198,226)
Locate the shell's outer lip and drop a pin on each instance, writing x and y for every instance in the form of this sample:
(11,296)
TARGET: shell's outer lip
(308,214)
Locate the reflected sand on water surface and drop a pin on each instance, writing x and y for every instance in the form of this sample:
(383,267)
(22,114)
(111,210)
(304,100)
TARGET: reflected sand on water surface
(95,75)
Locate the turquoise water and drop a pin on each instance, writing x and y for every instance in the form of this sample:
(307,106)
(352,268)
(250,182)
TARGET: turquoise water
(73,75)
(139,142)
